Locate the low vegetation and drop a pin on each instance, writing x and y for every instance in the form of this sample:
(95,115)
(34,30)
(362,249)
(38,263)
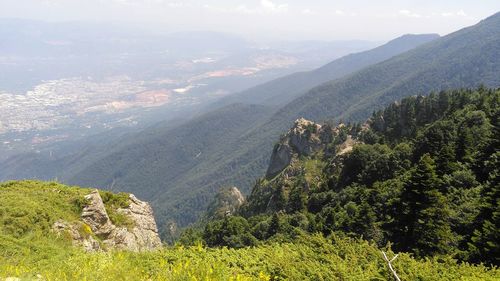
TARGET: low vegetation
(308,258)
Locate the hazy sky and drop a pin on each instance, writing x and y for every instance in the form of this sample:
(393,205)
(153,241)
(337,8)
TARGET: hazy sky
(268,19)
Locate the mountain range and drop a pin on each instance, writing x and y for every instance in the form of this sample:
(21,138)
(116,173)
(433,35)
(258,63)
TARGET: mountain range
(179,168)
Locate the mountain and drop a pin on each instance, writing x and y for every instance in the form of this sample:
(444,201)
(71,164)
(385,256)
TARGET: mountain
(174,162)
(420,174)
(466,58)
(180,169)
(74,161)
(285,89)
(34,38)
(181,176)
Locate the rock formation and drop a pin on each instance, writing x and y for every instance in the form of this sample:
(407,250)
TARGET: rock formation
(96,231)
(225,203)
(304,138)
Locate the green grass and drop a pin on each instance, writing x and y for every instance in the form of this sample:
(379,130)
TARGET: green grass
(314,170)
(29,250)
(33,206)
(113,202)
(313,258)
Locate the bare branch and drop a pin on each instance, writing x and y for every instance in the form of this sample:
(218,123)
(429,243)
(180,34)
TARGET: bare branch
(389,262)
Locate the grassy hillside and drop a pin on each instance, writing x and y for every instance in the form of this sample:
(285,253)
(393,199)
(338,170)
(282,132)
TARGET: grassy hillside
(28,250)
(29,209)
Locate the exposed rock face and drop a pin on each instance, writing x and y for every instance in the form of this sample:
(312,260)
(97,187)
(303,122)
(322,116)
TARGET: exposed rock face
(94,215)
(97,232)
(226,202)
(280,159)
(80,233)
(304,138)
(144,234)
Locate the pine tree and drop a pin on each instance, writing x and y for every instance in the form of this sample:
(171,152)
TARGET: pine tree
(485,244)
(274,226)
(298,200)
(421,219)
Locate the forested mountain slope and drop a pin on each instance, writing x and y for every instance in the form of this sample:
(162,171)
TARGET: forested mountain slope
(422,175)
(285,89)
(177,158)
(468,57)
(464,58)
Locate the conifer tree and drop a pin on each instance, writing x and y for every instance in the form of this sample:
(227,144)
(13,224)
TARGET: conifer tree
(274,226)
(421,219)
(485,244)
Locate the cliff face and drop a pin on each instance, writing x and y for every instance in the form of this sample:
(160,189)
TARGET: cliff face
(298,161)
(304,138)
(96,231)
(225,203)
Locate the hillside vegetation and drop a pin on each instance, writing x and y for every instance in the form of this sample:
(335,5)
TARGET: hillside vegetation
(422,176)
(30,251)
(179,169)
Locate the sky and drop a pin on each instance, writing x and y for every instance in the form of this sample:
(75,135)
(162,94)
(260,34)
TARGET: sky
(268,19)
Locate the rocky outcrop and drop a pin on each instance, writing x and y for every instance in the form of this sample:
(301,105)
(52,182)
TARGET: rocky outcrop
(95,216)
(225,203)
(304,138)
(96,231)
(79,232)
(280,159)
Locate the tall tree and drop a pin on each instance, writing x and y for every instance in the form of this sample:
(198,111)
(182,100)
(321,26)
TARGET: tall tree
(485,245)
(421,219)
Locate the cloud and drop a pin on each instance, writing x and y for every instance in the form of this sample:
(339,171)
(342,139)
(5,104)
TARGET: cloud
(410,14)
(264,7)
(459,13)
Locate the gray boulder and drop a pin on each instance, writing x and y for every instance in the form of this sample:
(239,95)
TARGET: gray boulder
(97,232)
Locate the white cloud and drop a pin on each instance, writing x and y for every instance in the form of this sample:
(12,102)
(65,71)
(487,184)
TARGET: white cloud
(410,14)
(264,7)
(339,12)
(459,13)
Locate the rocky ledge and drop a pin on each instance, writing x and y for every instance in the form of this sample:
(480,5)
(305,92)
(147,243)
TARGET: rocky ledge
(304,138)
(97,232)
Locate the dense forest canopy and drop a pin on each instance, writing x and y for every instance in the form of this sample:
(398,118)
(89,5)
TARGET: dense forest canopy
(422,177)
